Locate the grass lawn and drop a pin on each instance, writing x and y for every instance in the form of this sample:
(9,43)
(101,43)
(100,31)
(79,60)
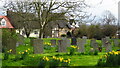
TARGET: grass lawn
(76,60)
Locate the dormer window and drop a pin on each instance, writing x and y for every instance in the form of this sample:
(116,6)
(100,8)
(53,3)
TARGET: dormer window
(3,23)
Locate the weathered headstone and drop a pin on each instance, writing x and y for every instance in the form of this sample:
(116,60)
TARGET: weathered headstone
(11,45)
(53,42)
(37,45)
(73,41)
(104,41)
(80,44)
(62,47)
(107,44)
(67,42)
(108,47)
(116,42)
(93,41)
(21,40)
(94,45)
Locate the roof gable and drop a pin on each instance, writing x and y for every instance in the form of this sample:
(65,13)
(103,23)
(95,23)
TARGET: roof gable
(7,22)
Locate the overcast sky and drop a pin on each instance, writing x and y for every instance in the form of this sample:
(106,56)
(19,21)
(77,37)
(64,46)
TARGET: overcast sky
(97,6)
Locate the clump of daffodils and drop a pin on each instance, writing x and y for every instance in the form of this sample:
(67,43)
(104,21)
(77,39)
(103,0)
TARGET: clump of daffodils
(46,58)
(110,53)
(73,46)
(9,51)
(25,51)
(47,43)
(114,53)
(60,59)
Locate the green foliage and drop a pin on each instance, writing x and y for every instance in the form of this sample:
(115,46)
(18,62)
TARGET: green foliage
(7,53)
(109,30)
(8,34)
(110,59)
(72,49)
(53,62)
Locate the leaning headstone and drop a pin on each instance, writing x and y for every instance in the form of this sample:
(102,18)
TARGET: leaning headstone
(116,42)
(53,42)
(62,47)
(80,44)
(37,45)
(73,41)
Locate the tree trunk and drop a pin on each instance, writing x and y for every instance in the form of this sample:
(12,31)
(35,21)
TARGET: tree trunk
(41,33)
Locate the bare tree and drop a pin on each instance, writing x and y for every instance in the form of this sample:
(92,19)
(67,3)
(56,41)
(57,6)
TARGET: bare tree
(45,11)
(22,13)
(108,18)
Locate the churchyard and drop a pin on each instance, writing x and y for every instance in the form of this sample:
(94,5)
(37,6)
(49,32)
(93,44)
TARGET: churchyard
(50,52)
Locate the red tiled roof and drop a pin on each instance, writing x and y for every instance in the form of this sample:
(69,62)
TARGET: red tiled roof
(8,24)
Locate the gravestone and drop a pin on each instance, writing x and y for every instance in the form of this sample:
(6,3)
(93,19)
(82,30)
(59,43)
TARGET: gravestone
(11,44)
(108,47)
(92,42)
(80,44)
(94,45)
(103,42)
(20,41)
(62,47)
(73,41)
(107,44)
(53,42)
(67,41)
(116,42)
(37,46)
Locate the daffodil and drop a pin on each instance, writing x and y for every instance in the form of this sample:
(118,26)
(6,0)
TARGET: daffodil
(116,53)
(22,52)
(26,50)
(10,50)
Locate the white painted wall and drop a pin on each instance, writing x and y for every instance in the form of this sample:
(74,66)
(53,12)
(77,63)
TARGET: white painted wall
(32,34)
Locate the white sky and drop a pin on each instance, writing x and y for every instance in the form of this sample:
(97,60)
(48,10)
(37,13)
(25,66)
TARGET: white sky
(97,7)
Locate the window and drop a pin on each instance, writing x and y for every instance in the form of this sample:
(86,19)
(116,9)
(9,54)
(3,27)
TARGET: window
(3,23)
(35,32)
